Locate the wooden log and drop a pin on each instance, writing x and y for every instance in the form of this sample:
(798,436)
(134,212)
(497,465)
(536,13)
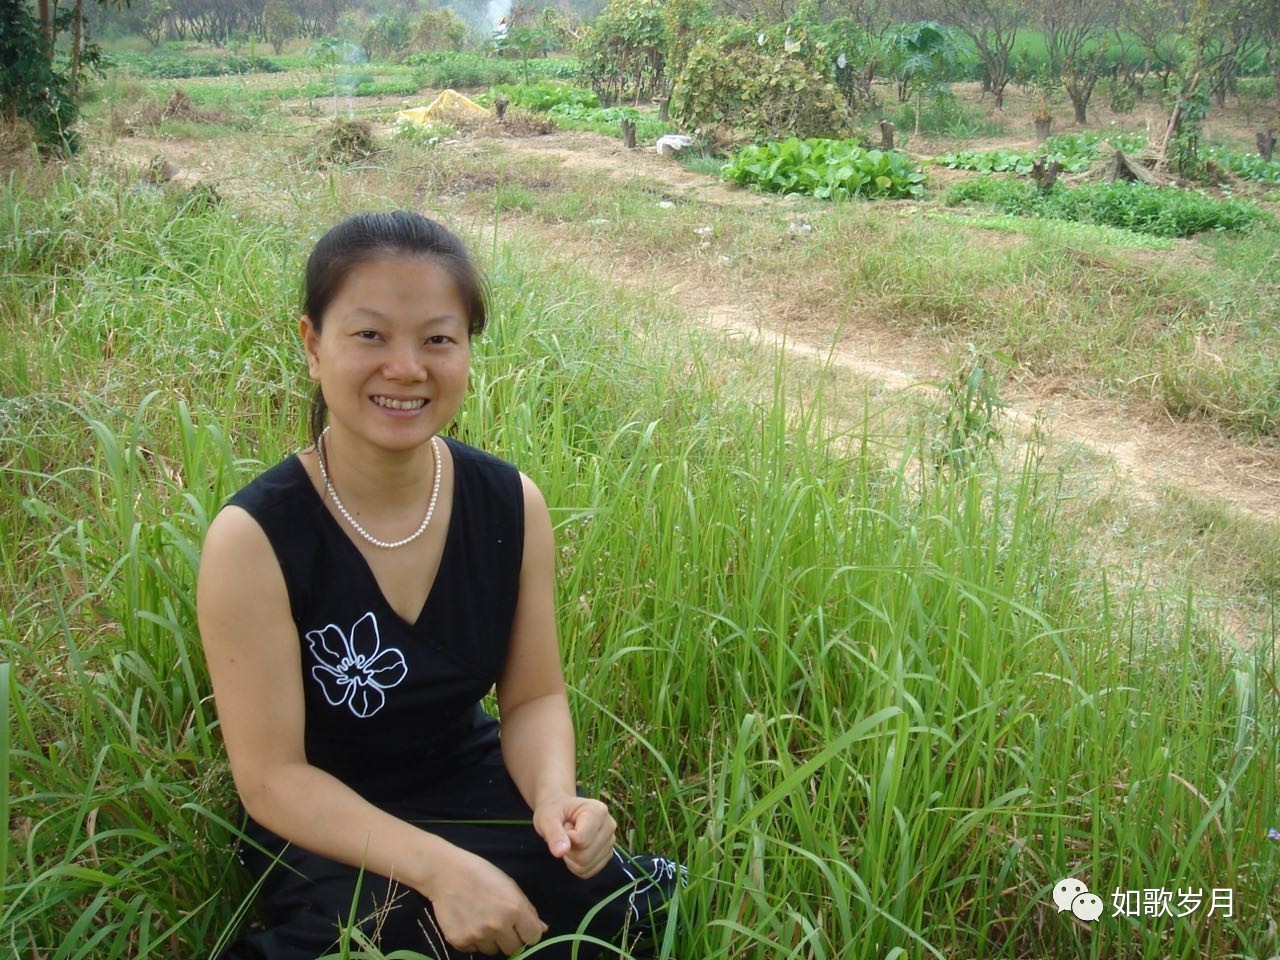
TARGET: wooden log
(663,104)
(886,134)
(1267,144)
(629,133)
(1124,168)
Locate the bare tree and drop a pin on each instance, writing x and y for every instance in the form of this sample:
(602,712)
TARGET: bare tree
(1075,41)
(993,26)
(1158,26)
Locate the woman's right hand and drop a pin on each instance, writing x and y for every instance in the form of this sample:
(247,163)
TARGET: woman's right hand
(480,909)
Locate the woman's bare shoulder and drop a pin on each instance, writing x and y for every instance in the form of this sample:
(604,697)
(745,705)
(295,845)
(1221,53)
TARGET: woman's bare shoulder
(239,574)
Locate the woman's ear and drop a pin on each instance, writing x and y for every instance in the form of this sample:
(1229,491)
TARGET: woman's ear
(310,345)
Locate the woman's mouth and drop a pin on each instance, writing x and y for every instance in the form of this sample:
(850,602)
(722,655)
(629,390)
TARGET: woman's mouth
(390,403)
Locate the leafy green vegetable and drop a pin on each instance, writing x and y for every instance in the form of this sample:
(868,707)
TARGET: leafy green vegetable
(1160,211)
(826,169)
(1250,166)
(544,96)
(1074,151)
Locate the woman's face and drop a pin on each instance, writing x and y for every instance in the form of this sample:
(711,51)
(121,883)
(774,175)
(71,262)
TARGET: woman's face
(392,353)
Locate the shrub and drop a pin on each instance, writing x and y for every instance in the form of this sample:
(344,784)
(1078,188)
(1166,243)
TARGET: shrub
(826,169)
(769,83)
(623,53)
(1140,207)
(386,35)
(438,30)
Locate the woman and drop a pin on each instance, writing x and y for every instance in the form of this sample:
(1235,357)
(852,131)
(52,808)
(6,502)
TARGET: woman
(356,602)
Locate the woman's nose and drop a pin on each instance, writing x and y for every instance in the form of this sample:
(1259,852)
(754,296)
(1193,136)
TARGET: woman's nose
(405,362)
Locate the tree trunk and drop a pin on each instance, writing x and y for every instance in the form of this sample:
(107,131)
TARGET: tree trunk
(1079,104)
(46,24)
(77,35)
(629,134)
(1267,145)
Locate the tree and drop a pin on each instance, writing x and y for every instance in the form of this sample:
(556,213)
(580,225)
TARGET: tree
(279,24)
(919,54)
(1158,26)
(993,27)
(625,50)
(30,88)
(1076,44)
(438,30)
(1269,26)
(386,35)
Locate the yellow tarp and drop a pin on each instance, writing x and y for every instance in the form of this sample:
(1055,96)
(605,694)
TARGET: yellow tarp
(449,104)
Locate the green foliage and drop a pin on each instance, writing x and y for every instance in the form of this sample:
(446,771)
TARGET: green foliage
(922,53)
(825,169)
(682,20)
(544,96)
(386,35)
(1161,211)
(771,82)
(437,30)
(1122,97)
(607,120)
(169,66)
(1184,146)
(30,88)
(465,70)
(1250,166)
(423,134)
(328,53)
(989,161)
(1074,151)
(623,53)
(280,24)
(944,114)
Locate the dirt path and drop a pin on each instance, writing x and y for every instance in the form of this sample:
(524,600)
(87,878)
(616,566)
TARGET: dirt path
(1151,452)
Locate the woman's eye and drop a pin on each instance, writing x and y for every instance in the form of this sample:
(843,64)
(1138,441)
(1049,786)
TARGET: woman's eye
(367,334)
(439,338)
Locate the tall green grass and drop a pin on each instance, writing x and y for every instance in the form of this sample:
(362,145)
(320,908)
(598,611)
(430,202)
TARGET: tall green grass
(879,707)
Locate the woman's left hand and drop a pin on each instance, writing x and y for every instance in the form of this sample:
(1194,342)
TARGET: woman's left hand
(578,831)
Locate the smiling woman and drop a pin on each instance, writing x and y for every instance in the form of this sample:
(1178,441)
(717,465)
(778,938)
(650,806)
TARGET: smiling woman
(357,601)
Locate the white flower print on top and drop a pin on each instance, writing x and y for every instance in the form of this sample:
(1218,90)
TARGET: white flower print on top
(354,669)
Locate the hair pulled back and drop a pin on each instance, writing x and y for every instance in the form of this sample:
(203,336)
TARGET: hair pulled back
(364,237)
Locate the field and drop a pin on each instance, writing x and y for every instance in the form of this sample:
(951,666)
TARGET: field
(912,557)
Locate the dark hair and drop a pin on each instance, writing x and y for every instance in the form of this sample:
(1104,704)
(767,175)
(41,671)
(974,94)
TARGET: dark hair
(373,236)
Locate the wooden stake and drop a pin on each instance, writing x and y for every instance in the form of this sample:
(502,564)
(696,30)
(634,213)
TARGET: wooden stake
(886,134)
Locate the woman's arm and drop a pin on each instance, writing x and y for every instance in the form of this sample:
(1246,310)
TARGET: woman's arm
(251,645)
(537,733)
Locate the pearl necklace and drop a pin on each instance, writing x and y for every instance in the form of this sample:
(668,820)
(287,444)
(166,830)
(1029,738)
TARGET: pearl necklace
(337,501)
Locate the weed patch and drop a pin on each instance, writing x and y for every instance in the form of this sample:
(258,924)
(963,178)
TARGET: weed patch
(343,142)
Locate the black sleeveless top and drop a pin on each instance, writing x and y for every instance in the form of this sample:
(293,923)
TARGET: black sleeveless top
(391,706)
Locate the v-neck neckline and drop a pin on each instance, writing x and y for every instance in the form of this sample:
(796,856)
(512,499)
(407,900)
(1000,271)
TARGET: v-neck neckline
(363,561)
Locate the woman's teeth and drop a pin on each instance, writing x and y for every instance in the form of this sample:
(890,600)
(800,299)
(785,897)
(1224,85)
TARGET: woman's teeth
(399,404)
